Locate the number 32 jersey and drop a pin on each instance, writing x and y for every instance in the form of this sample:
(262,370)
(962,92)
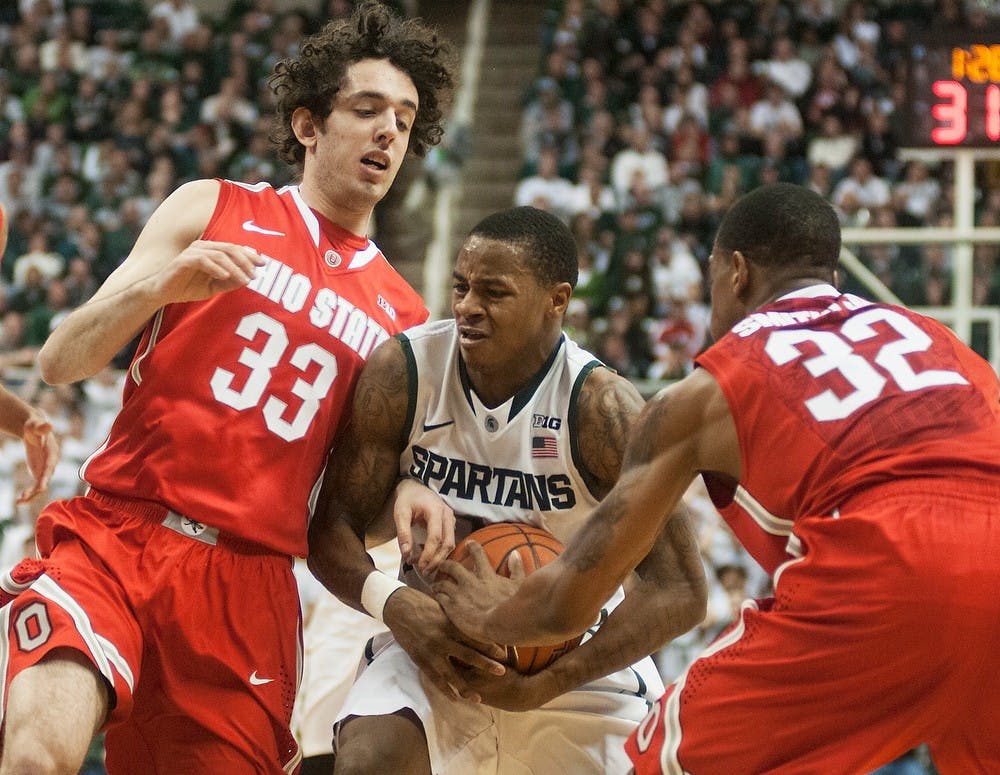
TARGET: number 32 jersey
(833,395)
(231,404)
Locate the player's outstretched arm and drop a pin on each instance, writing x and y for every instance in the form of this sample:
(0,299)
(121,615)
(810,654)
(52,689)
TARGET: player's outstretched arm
(168,263)
(685,429)
(41,448)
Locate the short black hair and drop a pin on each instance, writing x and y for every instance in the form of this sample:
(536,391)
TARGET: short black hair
(782,225)
(312,78)
(551,252)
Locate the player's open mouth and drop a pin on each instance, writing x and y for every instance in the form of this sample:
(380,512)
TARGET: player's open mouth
(378,163)
(467,335)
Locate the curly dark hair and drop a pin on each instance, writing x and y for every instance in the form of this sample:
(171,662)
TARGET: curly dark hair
(551,253)
(313,77)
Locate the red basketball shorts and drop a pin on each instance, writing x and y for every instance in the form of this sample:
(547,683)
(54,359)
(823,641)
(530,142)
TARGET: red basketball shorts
(199,643)
(881,637)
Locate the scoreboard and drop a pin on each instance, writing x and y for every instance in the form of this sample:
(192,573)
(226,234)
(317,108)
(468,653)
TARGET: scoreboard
(953,92)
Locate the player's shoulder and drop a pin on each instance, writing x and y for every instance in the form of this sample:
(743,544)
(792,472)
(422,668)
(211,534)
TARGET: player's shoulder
(603,390)
(199,194)
(431,330)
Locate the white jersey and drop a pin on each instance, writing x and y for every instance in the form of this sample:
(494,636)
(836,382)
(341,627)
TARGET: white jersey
(518,462)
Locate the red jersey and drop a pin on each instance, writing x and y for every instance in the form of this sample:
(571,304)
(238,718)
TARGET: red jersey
(834,396)
(232,403)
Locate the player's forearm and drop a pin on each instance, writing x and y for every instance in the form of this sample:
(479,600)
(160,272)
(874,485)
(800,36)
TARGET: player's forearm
(14,413)
(338,560)
(87,340)
(643,623)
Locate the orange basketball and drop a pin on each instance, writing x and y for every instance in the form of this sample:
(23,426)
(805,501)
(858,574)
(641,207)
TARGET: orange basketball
(537,547)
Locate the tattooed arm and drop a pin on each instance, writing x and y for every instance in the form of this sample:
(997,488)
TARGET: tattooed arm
(685,429)
(361,476)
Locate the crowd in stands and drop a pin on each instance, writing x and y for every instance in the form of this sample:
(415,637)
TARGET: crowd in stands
(647,119)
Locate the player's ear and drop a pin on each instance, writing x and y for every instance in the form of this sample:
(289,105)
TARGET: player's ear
(739,273)
(304,126)
(560,296)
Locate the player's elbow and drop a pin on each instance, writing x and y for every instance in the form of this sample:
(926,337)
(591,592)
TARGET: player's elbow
(687,606)
(52,367)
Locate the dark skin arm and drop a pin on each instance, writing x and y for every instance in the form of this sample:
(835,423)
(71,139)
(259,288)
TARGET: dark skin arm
(666,594)
(361,478)
(685,429)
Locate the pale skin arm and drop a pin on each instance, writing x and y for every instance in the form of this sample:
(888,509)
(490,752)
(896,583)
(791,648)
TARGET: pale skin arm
(665,595)
(169,263)
(361,478)
(685,429)
(41,448)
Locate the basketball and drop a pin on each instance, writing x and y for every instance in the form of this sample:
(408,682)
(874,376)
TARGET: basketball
(536,547)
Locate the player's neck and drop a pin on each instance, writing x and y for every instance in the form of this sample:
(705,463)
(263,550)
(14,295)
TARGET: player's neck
(352,218)
(499,383)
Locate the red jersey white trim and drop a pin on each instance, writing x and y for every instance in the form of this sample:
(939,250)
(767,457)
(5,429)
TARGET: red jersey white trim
(232,403)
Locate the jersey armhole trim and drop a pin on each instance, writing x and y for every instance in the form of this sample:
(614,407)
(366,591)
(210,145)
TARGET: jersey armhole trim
(411,386)
(574,421)
(226,191)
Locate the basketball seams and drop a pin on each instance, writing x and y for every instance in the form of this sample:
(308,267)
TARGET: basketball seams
(540,547)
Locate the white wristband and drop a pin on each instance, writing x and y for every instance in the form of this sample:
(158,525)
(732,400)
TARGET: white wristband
(376,591)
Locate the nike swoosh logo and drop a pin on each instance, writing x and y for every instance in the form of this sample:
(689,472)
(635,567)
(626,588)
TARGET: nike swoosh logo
(259,681)
(251,226)
(438,425)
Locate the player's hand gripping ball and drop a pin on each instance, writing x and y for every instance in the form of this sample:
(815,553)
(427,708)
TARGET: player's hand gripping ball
(536,547)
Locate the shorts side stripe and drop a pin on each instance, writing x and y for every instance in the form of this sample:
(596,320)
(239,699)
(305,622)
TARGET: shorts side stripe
(4,659)
(102,650)
(669,761)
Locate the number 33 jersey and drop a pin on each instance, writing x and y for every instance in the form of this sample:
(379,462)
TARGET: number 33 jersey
(231,404)
(832,394)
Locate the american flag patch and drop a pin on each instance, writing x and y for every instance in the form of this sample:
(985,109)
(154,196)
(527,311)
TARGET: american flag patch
(544,446)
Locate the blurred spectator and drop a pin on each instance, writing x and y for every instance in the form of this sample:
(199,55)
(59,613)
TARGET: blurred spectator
(181,17)
(546,189)
(917,196)
(675,271)
(89,108)
(727,154)
(677,338)
(859,193)
(785,68)
(547,122)
(14,350)
(736,87)
(43,317)
(775,112)
(39,259)
(688,98)
(623,340)
(878,144)
(591,195)
(80,282)
(62,52)
(832,147)
(639,159)
(690,146)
